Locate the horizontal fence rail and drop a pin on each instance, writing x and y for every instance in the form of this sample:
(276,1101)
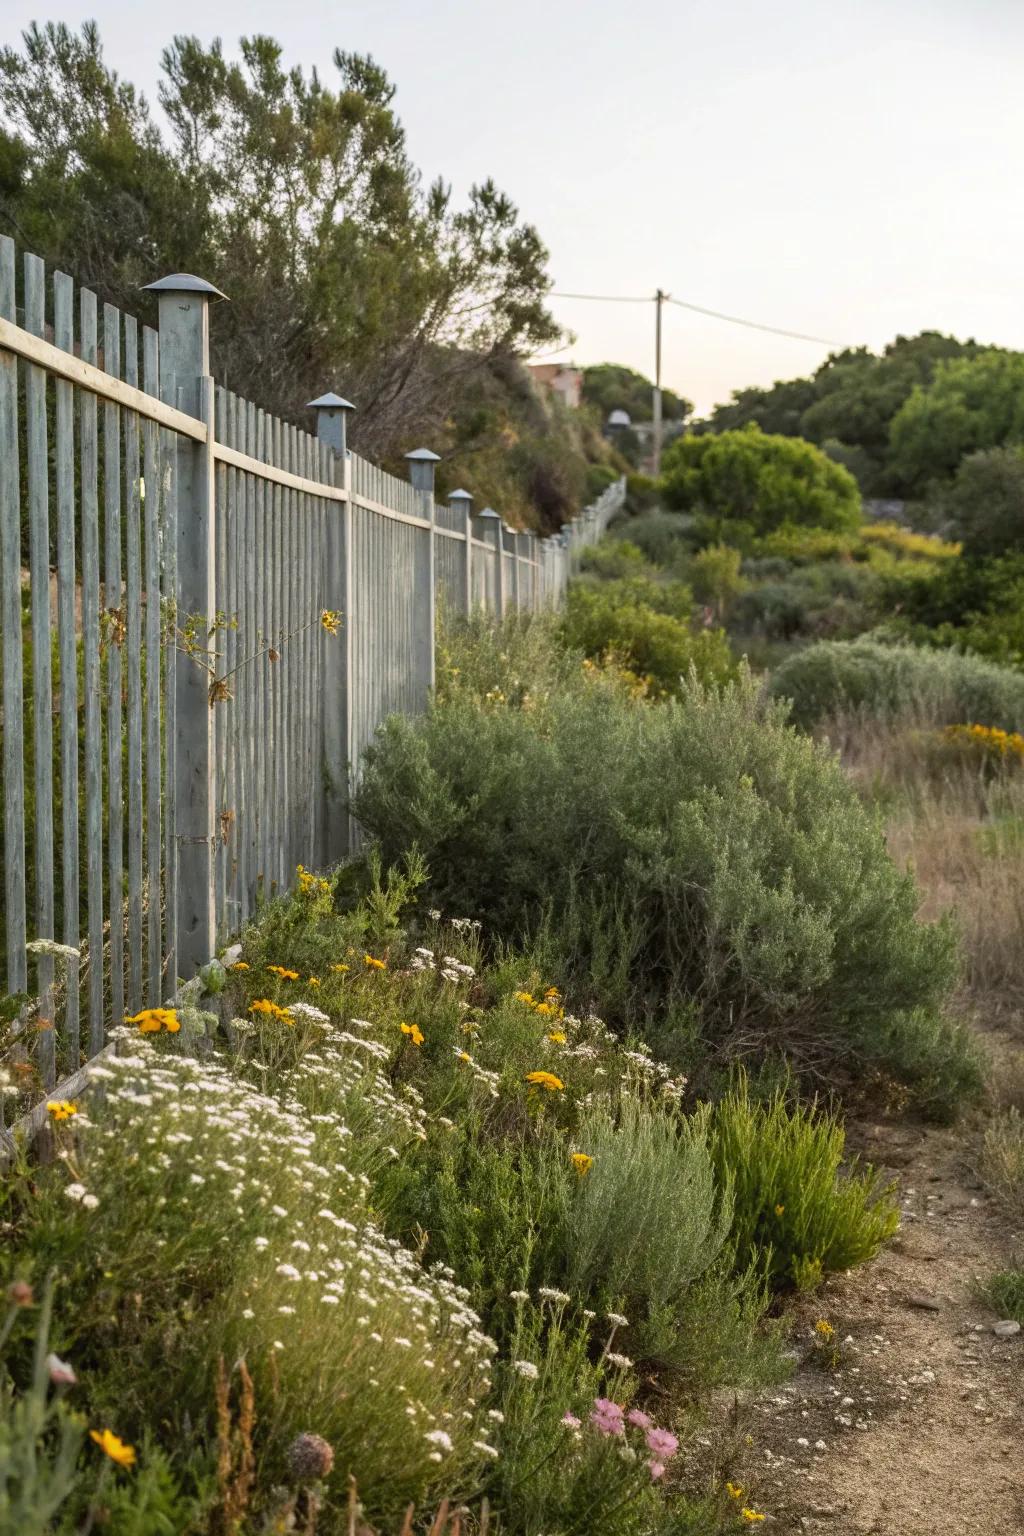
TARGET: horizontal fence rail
(205,615)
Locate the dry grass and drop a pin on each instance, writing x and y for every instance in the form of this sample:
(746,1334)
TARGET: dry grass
(1002,1160)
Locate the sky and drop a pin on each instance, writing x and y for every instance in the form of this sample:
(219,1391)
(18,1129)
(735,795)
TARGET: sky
(849,169)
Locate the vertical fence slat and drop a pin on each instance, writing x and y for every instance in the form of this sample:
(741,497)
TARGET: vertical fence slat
(151,522)
(221,719)
(113,602)
(37,447)
(91,671)
(260,663)
(133,665)
(64,470)
(10,618)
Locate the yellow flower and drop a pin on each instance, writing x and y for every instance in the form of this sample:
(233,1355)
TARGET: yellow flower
(341,969)
(283,972)
(61,1109)
(546,1080)
(330,621)
(751,1516)
(557,1037)
(734,1490)
(545,1008)
(414,1032)
(114,1447)
(264,1005)
(582,1162)
(152,1020)
(823,1329)
(465,1056)
(779,1210)
(314,981)
(374,964)
(552,992)
(525,997)
(239,965)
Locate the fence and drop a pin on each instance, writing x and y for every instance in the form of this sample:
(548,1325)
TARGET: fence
(221,610)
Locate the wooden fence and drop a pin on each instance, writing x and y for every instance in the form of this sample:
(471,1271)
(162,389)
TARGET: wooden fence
(181,727)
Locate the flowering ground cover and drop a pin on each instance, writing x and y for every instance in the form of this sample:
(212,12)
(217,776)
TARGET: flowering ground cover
(373,1215)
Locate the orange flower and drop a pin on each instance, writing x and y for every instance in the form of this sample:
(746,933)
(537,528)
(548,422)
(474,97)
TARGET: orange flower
(114,1447)
(546,1080)
(414,1032)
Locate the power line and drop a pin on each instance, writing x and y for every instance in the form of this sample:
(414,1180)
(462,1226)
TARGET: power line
(699,309)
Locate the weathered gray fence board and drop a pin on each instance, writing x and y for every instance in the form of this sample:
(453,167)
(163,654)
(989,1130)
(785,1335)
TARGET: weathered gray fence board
(133,666)
(155,491)
(91,672)
(112,602)
(64,478)
(13,662)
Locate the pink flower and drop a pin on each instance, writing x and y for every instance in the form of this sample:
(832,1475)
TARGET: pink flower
(570,1421)
(657,1469)
(641,1420)
(607,1417)
(60,1372)
(662,1444)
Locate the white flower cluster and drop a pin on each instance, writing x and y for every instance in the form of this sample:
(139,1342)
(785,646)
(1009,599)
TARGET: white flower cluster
(449,968)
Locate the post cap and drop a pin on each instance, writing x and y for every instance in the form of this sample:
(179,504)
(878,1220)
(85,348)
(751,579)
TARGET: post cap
(184,282)
(424,456)
(489,512)
(459,495)
(330,402)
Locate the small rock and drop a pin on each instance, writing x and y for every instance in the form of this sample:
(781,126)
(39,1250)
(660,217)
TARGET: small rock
(926,1303)
(1006,1328)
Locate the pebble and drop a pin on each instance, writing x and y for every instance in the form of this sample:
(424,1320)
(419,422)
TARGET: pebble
(1006,1328)
(926,1303)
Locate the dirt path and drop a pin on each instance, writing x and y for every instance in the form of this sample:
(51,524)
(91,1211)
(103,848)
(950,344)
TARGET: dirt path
(920,1428)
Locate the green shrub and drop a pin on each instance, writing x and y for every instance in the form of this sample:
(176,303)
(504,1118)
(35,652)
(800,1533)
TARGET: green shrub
(610,622)
(599,478)
(641,493)
(890,682)
(795,1213)
(760,480)
(985,504)
(1005,1294)
(701,853)
(664,537)
(714,573)
(613,558)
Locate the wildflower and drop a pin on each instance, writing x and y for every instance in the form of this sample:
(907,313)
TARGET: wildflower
(734,1490)
(20,1293)
(661,1443)
(607,1417)
(546,1080)
(496,1415)
(557,1037)
(330,621)
(439,1437)
(552,992)
(61,1109)
(152,1020)
(264,1005)
(340,969)
(414,1032)
(526,1368)
(374,964)
(656,1469)
(525,997)
(621,1362)
(570,1421)
(310,1458)
(90,1202)
(550,1294)
(314,981)
(52,948)
(751,1516)
(284,973)
(60,1372)
(239,965)
(582,1162)
(463,1055)
(115,1448)
(640,1419)
(289,1272)
(617,1320)
(779,1210)
(485,1449)
(519,1295)
(824,1330)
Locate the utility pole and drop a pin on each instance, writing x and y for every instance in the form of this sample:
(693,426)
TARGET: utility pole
(659,299)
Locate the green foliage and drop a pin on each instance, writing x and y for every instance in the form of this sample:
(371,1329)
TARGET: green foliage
(760,481)
(700,852)
(1005,1294)
(613,558)
(795,1213)
(613,387)
(848,405)
(715,575)
(892,682)
(40,1437)
(608,622)
(665,537)
(985,504)
(970,404)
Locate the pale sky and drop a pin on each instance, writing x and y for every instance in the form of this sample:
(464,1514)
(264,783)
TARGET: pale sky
(847,168)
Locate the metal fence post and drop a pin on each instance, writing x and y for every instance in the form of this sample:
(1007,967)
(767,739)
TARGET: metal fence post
(462,500)
(332,429)
(494,521)
(184,304)
(421,474)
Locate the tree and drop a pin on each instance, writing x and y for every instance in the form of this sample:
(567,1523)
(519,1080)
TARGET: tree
(759,479)
(611,386)
(985,504)
(297,199)
(971,403)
